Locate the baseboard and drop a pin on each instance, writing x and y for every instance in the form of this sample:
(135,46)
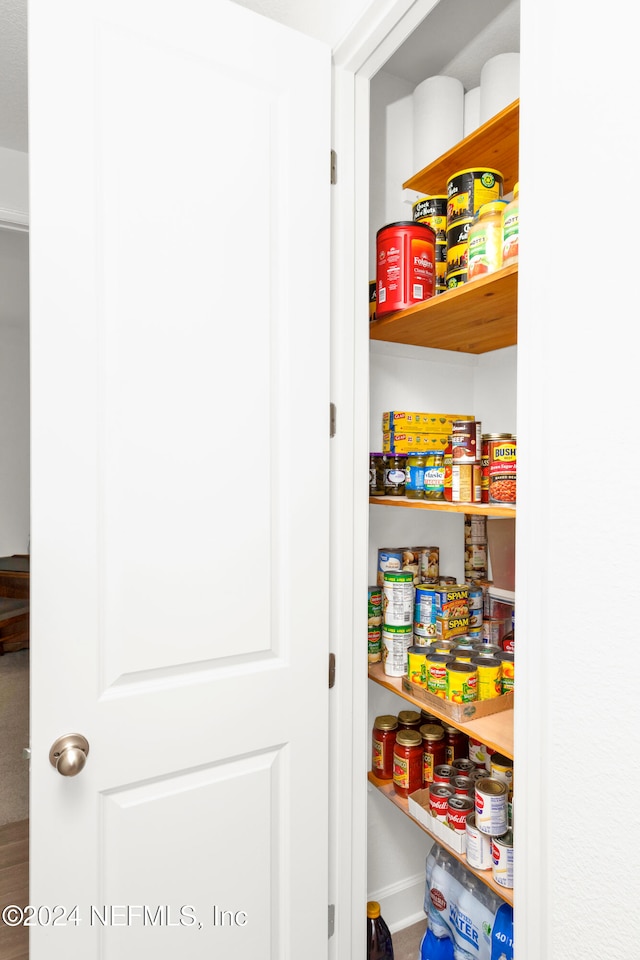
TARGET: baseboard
(401,903)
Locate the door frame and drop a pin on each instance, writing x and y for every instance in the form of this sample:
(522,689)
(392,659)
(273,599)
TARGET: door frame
(375,37)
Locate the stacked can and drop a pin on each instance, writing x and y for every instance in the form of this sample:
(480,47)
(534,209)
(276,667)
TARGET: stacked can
(432,210)
(489,829)
(475,553)
(397,620)
(467,191)
(375,624)
(466,442)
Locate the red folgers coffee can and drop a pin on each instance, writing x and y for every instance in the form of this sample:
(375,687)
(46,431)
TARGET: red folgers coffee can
(502,470)
(405,265)
(439,796)
(458,810)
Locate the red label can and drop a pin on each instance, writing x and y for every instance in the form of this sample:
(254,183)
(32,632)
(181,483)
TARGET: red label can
(502,470)
(458,810)
(405,265)
(439,796)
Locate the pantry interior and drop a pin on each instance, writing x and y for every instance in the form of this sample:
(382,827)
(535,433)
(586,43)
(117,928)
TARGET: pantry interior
(406,376)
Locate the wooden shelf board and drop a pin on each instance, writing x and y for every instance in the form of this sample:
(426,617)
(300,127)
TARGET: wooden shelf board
(477,317)
(495,731)
(486,876)
(444,506)
(495,144)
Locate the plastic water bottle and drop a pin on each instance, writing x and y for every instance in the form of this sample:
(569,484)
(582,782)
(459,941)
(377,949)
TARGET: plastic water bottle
(435,948)
(379,945)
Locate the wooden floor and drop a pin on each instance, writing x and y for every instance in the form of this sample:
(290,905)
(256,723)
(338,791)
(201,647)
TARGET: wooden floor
(14,886)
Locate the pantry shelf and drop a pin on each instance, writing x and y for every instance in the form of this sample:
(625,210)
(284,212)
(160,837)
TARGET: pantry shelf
(486,876)
(476,317)
(483,509)
(495,731)
(495,144)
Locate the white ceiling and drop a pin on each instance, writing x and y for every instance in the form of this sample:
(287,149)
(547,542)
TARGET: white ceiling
(456,38)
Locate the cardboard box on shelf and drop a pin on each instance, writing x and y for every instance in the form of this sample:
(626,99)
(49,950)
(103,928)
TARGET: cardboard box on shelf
(460,712)
(394,441)
(419,808)
(421,422)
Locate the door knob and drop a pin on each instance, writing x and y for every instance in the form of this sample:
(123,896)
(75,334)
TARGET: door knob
(69,754)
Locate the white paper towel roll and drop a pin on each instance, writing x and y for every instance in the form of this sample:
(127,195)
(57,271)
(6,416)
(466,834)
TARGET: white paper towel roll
(499,84)
(471,110)
(438,118)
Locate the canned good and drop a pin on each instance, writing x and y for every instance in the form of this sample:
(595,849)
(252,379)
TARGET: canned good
(458,810)
(405,265)
(417,666)
(478,848)
(502,471)
(466,482)
(376,474)
(485,457)
(448,466)
(437,674)
(374,644)
(491,806)
(502,769)
(458,246)
(502,859)
(395,643)
(444,774)
(432,210)
(489,677)
(456,279)
(480,755)
(494,629)
(441,266)
(463,786)
(397,598)
(468,190)
(389,558)
(463,766)
(507,660)
(407,762)
(429,564)
(439,796)
(466,439)
(383,738)
(462,682)
(475,528)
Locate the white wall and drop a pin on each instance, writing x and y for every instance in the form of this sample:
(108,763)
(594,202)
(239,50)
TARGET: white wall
(14,393)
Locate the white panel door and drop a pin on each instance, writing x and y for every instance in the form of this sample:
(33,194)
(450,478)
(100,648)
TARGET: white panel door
(179,199)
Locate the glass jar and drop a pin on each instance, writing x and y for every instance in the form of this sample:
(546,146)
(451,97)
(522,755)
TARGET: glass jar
(456,743)
(485,240)
(395,471)
(433,749)
(415,476)
(511,221)
(434,475)
(409,720)
(383,741)
(407,762)
(376,474)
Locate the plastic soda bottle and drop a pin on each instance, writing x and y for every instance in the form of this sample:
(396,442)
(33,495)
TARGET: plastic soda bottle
(379,945)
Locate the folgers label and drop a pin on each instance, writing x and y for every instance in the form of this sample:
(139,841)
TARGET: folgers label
(502,471)
(405,265)
(468,190)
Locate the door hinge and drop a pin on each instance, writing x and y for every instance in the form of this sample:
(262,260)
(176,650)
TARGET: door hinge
(332,919)
(332,420)
(332,670)
(334,167)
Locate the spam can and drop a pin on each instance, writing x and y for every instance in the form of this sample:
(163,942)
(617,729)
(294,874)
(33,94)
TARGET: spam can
(468,190)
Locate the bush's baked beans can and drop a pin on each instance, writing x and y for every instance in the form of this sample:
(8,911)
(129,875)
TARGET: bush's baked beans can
(405,265)
(485,458)
(491,806)
(502,471)
(439,796)
(397,598)
(468,190)
(478,849)
(458,810)
(502,859)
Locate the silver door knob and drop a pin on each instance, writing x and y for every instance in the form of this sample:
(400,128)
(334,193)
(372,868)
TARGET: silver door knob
(69,754)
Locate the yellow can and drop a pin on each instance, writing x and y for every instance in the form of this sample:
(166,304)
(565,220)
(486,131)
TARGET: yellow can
(437,674)
(462,682)
(489,677)
(417,666)
(506,658)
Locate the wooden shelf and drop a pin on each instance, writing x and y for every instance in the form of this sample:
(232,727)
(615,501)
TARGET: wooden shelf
(495,144)
(445,506)
(477,317)
(495,731)
(486,876)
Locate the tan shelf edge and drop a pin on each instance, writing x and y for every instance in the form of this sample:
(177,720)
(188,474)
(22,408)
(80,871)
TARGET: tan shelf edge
(483,509)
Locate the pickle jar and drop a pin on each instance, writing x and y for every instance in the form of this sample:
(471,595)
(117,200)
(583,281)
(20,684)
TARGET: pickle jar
(433,749)
(376,474)
(434,475)
(407,762)
(395,474)
(383,741)
(415,475)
